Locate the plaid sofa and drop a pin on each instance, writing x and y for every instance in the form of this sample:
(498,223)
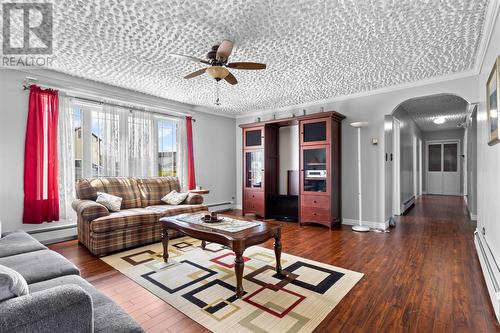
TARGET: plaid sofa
(137,222)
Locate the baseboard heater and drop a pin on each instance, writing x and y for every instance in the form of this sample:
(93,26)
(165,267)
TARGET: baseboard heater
(219,204)
(491,270)
(408,203)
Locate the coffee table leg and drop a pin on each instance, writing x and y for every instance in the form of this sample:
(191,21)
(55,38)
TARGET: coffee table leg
(203,244)
(164,241)
(239,264)
(277,251)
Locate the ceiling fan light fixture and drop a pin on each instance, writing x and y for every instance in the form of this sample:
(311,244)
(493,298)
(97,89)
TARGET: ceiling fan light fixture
(217,72)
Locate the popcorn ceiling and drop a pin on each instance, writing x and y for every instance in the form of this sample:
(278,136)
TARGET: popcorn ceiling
(314,49)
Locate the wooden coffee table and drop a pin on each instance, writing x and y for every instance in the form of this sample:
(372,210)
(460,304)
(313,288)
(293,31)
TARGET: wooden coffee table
(236,241)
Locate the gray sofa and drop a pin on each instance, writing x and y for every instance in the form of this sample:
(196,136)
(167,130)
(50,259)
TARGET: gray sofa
(59,300)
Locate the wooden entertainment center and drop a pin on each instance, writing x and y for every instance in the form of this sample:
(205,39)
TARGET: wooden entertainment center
(319,175)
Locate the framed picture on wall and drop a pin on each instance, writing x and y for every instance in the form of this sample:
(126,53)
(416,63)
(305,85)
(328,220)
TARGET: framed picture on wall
(492,101)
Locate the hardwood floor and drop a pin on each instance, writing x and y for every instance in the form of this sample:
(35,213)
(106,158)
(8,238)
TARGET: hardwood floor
(423,276)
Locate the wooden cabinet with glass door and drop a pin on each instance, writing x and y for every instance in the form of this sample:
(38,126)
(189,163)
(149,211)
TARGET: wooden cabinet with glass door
(320,171)
(253,175)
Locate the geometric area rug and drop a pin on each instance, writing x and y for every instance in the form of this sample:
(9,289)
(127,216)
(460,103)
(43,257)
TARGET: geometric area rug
(201,284)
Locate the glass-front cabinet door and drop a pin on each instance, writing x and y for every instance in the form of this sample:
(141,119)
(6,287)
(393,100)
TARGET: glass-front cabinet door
(315,164)
(315,131)
(254,137)
(254,169)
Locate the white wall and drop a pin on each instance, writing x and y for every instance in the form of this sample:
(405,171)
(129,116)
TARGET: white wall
(214,146)
(288,154)
(451,134)
(371,108)
(488,157)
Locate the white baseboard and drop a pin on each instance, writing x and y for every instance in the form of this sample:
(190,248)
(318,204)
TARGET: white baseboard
(491,271)
(238,206)
(370,224)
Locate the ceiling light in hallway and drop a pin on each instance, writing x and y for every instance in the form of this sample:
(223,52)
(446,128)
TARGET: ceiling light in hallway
(439,121)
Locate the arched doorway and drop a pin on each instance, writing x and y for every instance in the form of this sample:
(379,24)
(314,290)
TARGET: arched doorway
(427,142)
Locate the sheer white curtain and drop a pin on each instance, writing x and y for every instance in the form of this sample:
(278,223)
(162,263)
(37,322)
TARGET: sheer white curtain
(66,158)
(142,144)
(107,154)
(182,167)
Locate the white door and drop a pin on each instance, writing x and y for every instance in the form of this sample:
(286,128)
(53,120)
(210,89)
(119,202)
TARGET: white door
(443,168)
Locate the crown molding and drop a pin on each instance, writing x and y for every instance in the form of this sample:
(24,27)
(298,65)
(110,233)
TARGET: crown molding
(318,103)
(489,25)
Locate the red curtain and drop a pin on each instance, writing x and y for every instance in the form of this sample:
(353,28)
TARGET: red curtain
(190,155)
(41,194)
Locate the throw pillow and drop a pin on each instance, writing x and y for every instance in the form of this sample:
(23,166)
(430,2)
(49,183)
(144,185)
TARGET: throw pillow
(174,197)
(111,202)
(12,284)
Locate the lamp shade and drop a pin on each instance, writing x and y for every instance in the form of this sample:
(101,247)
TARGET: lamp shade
(359,124)
(217,72)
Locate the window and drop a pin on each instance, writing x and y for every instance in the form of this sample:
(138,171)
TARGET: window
(167,147)
(105,143)
(113,141)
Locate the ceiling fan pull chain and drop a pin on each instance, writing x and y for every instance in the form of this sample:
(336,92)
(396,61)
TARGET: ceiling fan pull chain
(217,101)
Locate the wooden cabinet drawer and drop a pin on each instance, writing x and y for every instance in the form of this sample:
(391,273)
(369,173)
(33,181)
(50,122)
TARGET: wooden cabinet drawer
(318,215)
(254,202)
(320,201)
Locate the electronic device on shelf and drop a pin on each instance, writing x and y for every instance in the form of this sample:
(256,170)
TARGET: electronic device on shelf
(315,173)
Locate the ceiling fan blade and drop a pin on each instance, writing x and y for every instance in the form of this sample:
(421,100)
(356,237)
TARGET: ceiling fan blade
(195,74)
(246,65)
(224,50)
(188,58)
(231,79)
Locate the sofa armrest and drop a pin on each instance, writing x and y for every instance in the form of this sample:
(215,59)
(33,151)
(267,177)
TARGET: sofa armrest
(89,210)
(65,308)
(193,199)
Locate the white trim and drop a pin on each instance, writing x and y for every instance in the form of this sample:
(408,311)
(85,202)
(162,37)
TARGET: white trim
(370,224)
(396,167)
(238,206)
(473,217)
(491,271)
(489,23)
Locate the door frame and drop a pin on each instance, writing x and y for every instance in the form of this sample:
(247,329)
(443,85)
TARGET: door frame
(420,167)
(459,168)
(396,167)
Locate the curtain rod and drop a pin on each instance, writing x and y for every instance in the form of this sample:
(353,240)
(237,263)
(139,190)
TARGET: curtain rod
(26,86)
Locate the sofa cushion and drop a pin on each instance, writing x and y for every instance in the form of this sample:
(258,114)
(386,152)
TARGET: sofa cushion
(111,202)
(174,198)
(12,284)
(40,265)
(123,187)
(108,316)
(18,242)
(124,219)
(154,188)
(170,210)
